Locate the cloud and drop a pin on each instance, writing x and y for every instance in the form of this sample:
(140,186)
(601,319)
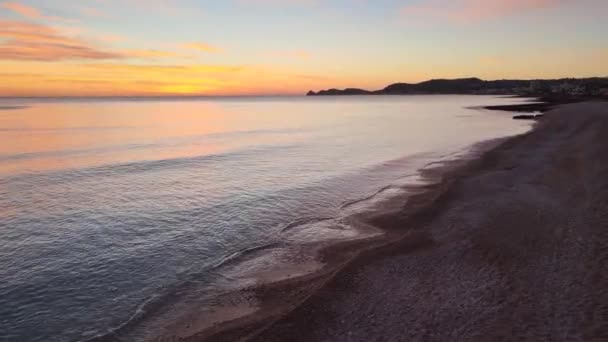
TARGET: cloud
(27,11)
(36,42)
(28,41)
(463,11)
(204,47)
(23,10)
(50,52)
(24,31)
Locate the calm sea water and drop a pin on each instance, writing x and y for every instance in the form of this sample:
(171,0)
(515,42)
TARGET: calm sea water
(112,210)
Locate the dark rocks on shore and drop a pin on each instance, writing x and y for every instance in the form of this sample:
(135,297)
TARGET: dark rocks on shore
(524,107)
(528,117)
(524,117)
(544,104)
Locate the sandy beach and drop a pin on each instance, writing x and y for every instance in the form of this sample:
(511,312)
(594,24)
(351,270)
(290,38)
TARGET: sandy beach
(509,246)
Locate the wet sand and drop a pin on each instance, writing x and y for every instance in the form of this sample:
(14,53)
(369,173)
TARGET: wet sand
(510,246)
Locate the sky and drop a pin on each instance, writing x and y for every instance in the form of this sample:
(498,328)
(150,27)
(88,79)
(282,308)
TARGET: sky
(270,47)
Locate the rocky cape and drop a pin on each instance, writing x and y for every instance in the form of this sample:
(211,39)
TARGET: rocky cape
(584,86)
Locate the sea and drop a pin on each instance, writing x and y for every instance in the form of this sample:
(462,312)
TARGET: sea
(117,215)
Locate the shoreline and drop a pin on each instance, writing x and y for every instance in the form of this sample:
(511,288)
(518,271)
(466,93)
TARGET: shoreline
(288,306)
(337,257)
(534,255)
(333,257)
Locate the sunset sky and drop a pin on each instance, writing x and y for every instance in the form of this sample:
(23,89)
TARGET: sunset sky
(246,47)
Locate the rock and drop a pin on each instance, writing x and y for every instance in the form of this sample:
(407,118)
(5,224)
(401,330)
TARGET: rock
(524,117)
(528,117)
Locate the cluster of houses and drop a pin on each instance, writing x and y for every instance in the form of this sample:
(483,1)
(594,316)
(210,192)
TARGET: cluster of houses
(566,88)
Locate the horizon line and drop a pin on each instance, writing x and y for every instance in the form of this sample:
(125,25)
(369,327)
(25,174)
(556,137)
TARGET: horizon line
(302,94)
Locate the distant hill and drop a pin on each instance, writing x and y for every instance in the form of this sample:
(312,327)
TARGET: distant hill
(567,86)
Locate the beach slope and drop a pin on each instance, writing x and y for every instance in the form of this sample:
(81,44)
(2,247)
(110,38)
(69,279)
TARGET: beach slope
(518,250)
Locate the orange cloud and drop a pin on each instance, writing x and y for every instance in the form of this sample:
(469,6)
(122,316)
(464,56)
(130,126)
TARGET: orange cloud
(27,11)
(36,42)
(202,47)
(463,11)
(50,52)
(27,41)
(18,30)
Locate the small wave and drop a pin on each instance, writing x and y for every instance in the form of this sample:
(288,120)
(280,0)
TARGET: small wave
(232,258)
(367,198)
(303,221)
(377,192)
(163,296)
(148,306)
(446,157)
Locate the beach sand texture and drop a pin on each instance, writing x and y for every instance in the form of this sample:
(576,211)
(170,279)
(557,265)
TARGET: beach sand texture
(513,246)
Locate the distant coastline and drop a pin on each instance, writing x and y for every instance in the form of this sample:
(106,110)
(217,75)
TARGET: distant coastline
(596,87)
